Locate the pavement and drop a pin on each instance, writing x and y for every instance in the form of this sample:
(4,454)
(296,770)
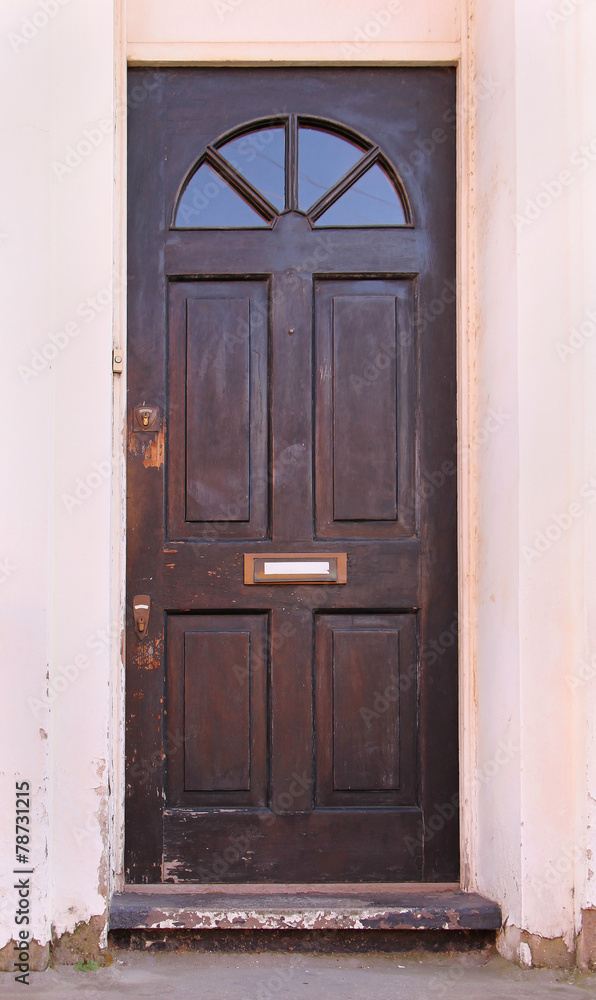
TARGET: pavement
(276,976)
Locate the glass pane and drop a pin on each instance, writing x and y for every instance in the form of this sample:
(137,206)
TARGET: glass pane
(322,159)
(261,157)
(210,203)
(371,201)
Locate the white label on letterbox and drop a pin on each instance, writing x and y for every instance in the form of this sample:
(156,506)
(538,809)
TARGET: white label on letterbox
(296,569)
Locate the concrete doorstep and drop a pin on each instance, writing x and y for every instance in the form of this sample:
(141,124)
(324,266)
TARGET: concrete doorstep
(277,976)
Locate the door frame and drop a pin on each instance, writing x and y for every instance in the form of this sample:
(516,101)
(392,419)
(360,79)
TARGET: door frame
(294,55)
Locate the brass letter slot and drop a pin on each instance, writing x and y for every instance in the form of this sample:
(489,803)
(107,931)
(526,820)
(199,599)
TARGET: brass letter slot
(296,567)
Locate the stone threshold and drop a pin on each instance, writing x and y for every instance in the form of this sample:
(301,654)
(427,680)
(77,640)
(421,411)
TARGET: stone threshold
(330,906)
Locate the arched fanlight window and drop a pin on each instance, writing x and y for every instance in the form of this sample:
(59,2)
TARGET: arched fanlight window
(248,178)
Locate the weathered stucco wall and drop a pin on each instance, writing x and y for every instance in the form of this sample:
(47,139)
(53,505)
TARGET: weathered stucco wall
(56,247)
(527,421)
(583,674)
(535,500)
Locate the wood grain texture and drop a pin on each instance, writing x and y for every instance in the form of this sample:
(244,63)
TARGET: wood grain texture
(365,667)
(216,704)
(364,424)
(366,694)
(217,711)
(217,363)
(218,410)
(365,416)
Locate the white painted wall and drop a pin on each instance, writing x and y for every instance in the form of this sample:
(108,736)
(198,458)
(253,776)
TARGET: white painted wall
(56,250)
(495,794)
(583,675)
(527,418)
(533,268)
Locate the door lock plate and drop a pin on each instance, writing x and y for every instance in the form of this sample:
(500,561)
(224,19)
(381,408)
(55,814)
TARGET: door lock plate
(141,606)
(145,418)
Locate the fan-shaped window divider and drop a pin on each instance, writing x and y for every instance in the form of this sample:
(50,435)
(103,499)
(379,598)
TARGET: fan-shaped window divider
(249,177)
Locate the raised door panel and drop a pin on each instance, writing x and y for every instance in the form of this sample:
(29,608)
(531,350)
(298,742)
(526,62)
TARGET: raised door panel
(366,709)
(217,706)
(217,441)
(365,408)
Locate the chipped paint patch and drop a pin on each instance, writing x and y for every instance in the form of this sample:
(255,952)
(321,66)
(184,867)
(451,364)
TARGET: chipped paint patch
(149,446)
(157,911)
(267,920)
(153,457)
(39,956)
(83,944)
(147,654)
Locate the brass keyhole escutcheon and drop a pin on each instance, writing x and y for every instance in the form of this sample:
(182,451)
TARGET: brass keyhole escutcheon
(141,609)
(146,418)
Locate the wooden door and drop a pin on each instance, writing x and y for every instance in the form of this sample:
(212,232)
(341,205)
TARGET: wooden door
(291,392)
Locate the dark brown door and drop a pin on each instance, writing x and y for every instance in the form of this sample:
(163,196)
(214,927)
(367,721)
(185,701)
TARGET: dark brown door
(292,392)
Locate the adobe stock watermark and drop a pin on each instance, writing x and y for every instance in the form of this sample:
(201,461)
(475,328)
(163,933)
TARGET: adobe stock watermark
(585,672)
(550,191)
(379,361)
(559,524)
(92,137)
(432,482)
(196,199)
(23,886)
(444,983)
(445,812)
(556,870)
(58,341)
(578,336)
(492,423)
(84,488)
(268,988)
(239,846)
(7,569)
(432,651)
(141,770)
(45,12)
(483,88)
(225,7)
(65,675)
(372,30)
(564,10)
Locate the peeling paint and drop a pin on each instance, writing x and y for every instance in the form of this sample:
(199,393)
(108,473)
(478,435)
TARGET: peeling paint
(149,446)
(292,911)
(268,920)
(39,955)
(153,457)
(83,944)
(147,655)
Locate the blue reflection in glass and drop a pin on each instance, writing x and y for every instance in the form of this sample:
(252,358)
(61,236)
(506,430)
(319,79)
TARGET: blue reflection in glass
(371,201)
(210,203)
(261,158)
(322,159)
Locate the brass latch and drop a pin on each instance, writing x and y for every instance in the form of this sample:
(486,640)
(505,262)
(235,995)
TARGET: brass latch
(141,606)
(146,418)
